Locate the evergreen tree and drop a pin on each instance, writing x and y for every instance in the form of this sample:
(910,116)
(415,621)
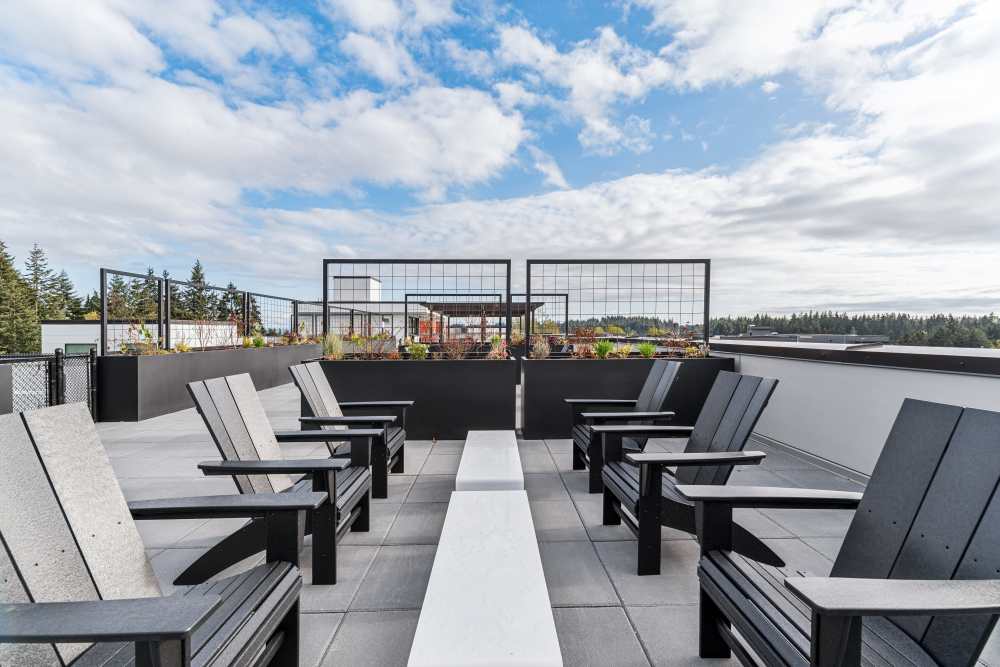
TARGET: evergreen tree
(91,308)
(40,281)
(119,306)
(19,327)
(67,303)
(199,302)
(231,304)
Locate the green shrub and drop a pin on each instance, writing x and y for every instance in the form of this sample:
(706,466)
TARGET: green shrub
(603,348)
(333,346)
(418,351)
(647,350)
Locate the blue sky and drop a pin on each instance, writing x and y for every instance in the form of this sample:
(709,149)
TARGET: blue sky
(823,153)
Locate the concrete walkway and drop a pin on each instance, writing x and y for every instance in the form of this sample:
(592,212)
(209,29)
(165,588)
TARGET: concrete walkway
(604,613)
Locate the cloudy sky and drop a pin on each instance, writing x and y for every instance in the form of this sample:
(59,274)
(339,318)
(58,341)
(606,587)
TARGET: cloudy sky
(824,153)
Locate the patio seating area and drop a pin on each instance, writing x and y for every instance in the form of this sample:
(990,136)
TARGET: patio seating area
(604,613)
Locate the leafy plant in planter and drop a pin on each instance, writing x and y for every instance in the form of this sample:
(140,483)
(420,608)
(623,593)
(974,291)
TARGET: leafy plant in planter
(603,348)
(624,351)
(647,350)
(417,351)
(696,351)
(517,338)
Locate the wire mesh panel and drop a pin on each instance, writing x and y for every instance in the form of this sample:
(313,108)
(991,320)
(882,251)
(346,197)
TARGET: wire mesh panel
(131,311)
(549,313)
(629,299)
(274,317)
(427,300)
(204,316)
(76,379)
(30,382)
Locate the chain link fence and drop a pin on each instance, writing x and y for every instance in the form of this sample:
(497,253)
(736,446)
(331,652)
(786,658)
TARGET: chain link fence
(39,381)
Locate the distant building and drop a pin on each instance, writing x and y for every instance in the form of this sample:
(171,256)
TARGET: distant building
(770,334)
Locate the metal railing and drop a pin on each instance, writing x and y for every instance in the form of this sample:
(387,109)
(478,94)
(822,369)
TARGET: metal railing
(142,311)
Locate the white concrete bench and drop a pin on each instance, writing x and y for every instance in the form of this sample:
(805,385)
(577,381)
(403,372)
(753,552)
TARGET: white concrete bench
(490,462)
(486,601)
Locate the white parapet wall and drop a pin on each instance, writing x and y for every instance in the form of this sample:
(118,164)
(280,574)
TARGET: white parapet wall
(842,412)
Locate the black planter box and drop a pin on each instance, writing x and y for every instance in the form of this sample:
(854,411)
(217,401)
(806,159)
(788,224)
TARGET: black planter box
(548,381)
(452,396)
(132,388)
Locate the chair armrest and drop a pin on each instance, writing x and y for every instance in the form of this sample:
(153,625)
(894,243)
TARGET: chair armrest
(226,507)
(324,436)
(769,497)
(696,459)
(352,419)
(623,416)
(375,404)
(291,467)
(600,401)
(643,430)
(840,596)
(141,619)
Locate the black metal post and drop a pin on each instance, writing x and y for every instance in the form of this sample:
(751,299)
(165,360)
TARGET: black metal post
(246,313)
(708,285)
(509,309)
(160,337)
(326,299)
(527,306)
(104,311)
(92,382)
(168,293)
(295,316)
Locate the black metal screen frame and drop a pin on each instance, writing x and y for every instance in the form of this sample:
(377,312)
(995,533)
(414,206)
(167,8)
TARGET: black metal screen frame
(423,262)
(706,281)
(530,314)
(160,295)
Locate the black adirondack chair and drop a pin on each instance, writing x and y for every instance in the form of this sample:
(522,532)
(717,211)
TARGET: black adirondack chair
(917,579)
(388,454)
(647,408)
(250,453)
(76,587)
(637,491)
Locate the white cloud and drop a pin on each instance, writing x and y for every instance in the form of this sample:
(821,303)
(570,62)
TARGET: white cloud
(596,73)
(770,87)
(381,57)
(473,61)
(367,15)
(512,94)
(547,166)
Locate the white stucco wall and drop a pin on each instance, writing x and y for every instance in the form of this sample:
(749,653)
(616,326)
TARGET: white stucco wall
(56,336)
(843,412)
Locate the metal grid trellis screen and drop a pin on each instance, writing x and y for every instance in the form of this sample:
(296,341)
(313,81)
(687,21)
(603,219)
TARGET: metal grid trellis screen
(425,299)
(132,310)
(276,316)
(204,316)
(649,298)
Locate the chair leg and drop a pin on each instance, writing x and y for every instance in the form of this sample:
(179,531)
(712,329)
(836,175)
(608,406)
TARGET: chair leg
(380,470)
(324,544)
(288,654)
(400,463)
(611,516)
(362,522)
(649,537)
(596,457)
(711,643)
(578,462)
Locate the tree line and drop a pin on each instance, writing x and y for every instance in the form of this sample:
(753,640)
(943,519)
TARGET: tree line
(901,328)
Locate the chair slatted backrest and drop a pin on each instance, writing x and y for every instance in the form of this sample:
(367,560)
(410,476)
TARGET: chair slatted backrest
(653,394)
(931,510)
(234,406)
(644,401)
(731,410)
(315,387)
(66,530)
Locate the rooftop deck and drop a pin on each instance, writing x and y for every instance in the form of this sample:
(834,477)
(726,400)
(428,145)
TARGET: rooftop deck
(604,613)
